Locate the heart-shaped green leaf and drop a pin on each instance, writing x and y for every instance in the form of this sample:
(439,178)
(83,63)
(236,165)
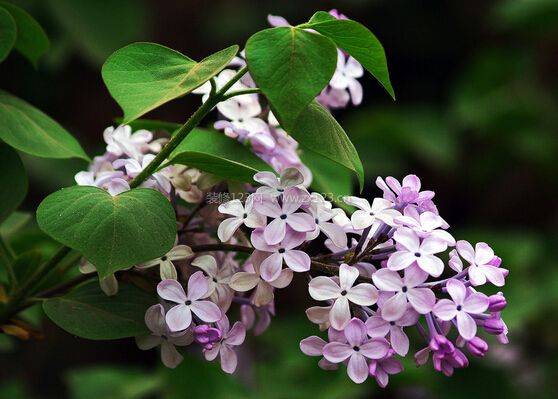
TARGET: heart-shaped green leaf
(144,76)
(317,130)
(111,232)
(215,153)
(358,41)
(29,130)
(32,41)
(8,33)
(290,66)
(14,181)
(88,313)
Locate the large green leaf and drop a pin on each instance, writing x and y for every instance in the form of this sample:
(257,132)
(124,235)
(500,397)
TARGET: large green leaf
(144,76)
(111,232)
(32,41)
(330,180)
(358,41)
(317,130)
(30,130)
(88,313)
(8,33)
(290,66)
(14,181)
(215,153)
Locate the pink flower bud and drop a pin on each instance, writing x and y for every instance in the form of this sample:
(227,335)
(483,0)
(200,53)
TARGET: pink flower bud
(477,347)
(494,326)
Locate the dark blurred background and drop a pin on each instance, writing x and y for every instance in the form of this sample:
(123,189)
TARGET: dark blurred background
(476,118)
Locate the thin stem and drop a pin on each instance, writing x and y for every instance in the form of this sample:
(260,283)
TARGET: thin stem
(190,124)
(334,270)
(254,90)
(360,244)
(193,213)
(6,260)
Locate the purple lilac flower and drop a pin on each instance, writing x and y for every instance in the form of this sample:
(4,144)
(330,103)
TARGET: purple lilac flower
(296,260)
(382,368)
(480,269)
(378,327)
(242,214)
(179,317)
(461,307)
(218,279)
(403,290)
(380,210)
(357,350)
(230,337)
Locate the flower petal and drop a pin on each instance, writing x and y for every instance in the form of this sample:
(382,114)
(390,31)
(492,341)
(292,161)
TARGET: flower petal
(357,369)
(312,346)
(340,313)
(197,286)
(284,279)
(178,318)
(401,260)
(422,299)
(323,288)
(394,307)
(363,294)
(377,327)
(355,332)
(337,352)
(466,251)
(275,231)
(207,263)
(228,358)
(155,319)
(237,334)
(347,276)
(206,310)
(431,265)
(233,207)
(476,303)
(297,261)
(376,348)
(445,309)
(399,341)
(466,325)
(244,281)
(271,267)
(171,290)
(457,291)
(170,356)
(407,238)
(387,280)
(228,227)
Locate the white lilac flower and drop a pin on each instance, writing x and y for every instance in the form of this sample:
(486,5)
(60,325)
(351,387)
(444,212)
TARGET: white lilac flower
(274,186)
(167,270)
(412,251)
(324,288)
(322,213)
(218,279)
(121,141)
(241,214)
(425,224)
(406,289)
(160,335)
(366,215)
(345,76)
(251,278)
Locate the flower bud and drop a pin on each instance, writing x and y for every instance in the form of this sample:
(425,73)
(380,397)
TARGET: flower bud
(477,347)
(497,302)
(494,326)
(206,335)
(441,345)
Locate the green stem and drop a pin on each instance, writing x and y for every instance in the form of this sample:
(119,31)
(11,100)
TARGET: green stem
(6,260)
(254,90)
(190,124)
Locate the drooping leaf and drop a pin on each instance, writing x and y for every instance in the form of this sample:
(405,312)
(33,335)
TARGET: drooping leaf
(317,130)
(14,181)
(111,232)
(88,313)
(32,41)
(28,129)
(215,153)
(8,33)
(290,66)
(144,76)
(357,40)
(328,179)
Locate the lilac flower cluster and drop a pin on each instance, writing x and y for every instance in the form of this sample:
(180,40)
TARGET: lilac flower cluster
(389,266)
